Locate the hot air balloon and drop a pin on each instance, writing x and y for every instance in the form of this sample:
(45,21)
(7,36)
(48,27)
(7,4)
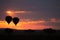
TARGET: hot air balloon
(15,20)
(8,19)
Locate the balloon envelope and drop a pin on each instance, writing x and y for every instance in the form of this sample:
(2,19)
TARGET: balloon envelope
(15,20)
(8,19)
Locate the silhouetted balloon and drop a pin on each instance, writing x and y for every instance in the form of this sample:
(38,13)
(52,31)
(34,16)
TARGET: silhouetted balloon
(15,20)
(8,19)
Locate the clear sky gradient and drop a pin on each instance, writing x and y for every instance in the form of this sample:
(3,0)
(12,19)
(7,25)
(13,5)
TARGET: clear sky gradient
(43,13)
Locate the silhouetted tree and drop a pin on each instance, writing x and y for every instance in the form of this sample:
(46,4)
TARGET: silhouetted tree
(50,30)
(9,31)
(29,30)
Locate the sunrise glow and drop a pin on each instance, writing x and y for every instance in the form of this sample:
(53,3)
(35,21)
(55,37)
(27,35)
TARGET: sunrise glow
(32,14)
(24,25)
(10,13)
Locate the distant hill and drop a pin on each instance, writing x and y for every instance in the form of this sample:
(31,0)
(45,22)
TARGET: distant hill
(30,32)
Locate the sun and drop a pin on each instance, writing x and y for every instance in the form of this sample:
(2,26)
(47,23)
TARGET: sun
(10,13)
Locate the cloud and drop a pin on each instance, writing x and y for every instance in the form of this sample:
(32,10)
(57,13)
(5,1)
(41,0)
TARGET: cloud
(22,11)
(53,20)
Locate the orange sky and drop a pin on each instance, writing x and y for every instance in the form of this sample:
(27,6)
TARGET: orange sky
(39,24)
(27,23)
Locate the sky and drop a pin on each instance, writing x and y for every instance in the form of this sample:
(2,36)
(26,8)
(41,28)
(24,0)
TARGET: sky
(33,14)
